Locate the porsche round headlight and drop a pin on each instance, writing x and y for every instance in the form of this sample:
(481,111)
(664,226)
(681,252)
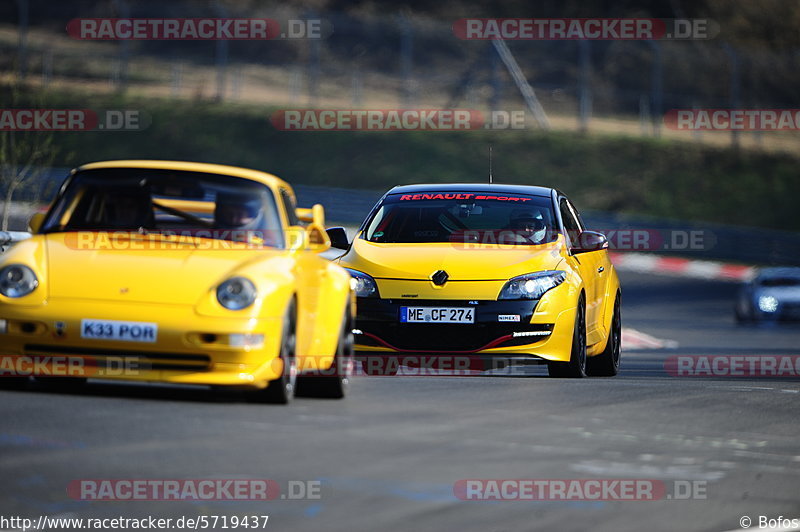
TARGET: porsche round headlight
(236,293)
(532,285)
(362,284)
(17,280)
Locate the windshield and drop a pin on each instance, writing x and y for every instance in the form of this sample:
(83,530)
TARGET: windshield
(170,202)
(463,217)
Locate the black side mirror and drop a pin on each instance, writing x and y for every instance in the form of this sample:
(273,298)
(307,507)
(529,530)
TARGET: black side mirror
(338,238)
(590,241)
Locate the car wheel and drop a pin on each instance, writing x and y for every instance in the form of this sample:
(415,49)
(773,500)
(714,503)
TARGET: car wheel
(327,386)
(576,367)
(740,316)
(281,390)
(606,364)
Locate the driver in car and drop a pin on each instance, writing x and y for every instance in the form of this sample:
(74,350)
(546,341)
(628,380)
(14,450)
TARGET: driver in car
(242,214)
(527,226)
(128,209)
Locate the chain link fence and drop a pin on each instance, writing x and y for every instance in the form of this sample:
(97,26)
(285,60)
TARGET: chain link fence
(398,60)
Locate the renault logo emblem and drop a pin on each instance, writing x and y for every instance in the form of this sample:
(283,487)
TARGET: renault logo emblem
(439,277)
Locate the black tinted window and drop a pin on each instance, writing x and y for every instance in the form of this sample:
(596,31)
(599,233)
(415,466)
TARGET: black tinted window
(473,217)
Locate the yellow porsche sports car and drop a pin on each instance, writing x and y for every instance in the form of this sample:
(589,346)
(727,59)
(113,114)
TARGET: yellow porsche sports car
(181,273)
(502,272)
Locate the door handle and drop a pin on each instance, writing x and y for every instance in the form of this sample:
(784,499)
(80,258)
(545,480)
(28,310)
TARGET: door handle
(601,269)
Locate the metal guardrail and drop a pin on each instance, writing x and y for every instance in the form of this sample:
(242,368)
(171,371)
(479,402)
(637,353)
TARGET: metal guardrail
(718,242)
(728,243)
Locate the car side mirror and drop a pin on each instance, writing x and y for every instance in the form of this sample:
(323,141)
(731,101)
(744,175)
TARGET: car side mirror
(35,223)
(590,241)
(338,238)
(318,240)
(296,238)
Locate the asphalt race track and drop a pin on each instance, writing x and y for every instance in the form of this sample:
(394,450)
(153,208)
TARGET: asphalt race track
(388,456)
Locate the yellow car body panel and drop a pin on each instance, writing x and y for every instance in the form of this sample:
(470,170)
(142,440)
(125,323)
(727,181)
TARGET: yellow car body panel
(171,282)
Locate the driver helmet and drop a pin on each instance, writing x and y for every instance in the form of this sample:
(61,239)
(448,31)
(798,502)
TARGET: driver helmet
(529,223)
(238,211)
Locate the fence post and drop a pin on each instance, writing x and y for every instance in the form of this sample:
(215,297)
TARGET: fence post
(236,88)
(697,134)
(497,83)
(644,115)
(735,87)
(407,60)
(177,79)
(657,88)
(121,76)
(22,45)
(47,68)
(221,54)
(295,84)
(356,87)
(313,67)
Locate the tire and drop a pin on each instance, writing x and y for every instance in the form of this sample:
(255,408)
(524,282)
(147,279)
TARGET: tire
(741,318)
(606,364)
(281,390)
(324,386)
(576,367)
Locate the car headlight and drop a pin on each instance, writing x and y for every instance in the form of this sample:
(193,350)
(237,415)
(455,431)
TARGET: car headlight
(767,304)
(236,293)
(363,285)
(17,280)
(532,285)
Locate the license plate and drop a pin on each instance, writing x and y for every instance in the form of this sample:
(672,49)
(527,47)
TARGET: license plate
(436,315)
(124,331)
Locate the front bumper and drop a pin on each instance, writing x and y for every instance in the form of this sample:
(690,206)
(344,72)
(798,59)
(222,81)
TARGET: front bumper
(540,334)
(190,349)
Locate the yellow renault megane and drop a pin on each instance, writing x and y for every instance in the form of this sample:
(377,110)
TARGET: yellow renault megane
(502,272)
(177,272)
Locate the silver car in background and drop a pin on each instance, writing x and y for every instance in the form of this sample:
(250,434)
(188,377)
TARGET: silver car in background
(773,294)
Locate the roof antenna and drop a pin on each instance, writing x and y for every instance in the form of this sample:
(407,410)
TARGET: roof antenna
(490,165)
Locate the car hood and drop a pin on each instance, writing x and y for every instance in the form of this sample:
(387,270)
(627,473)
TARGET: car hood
(180,274)
(462,263)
